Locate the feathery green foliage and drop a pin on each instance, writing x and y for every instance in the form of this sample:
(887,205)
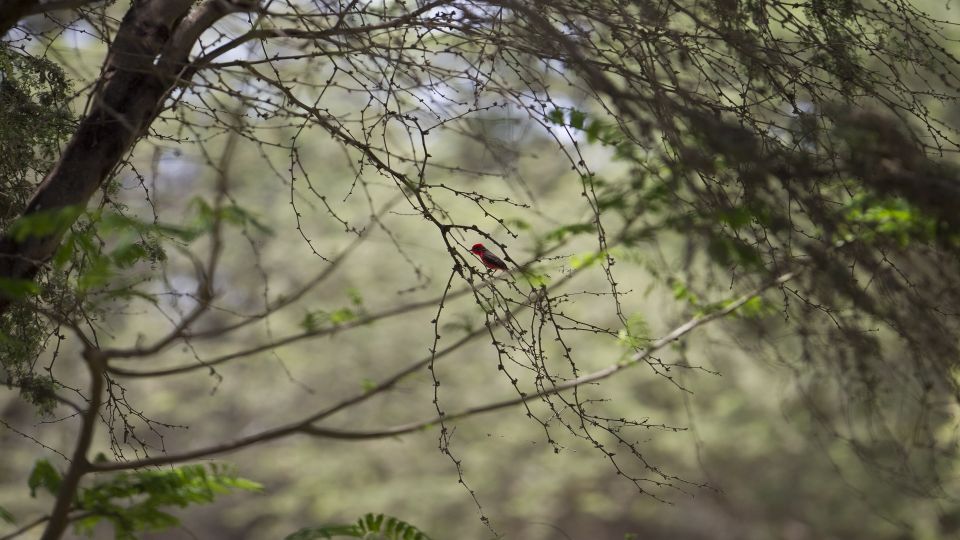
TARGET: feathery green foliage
(138,501)
(370,526)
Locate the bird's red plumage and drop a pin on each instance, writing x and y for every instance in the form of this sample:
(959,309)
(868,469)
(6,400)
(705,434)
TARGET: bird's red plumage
(488,259)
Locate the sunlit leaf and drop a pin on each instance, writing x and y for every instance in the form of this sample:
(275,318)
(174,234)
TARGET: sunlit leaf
(342,315)
(536,279)
(583,260)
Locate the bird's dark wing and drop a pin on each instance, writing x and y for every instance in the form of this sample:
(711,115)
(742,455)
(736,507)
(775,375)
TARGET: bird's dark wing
(492,261)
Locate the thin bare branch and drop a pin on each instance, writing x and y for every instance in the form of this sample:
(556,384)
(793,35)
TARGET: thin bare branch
(306,425)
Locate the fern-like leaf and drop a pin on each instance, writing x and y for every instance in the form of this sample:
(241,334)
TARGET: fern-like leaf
(370,526)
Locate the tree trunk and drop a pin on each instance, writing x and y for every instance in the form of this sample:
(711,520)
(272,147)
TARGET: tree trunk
(132,88)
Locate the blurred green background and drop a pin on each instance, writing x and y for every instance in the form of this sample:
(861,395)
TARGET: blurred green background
(750,455)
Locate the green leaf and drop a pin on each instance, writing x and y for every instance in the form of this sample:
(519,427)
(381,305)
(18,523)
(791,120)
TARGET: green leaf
(342,315)
(869,218)
(64,252)
(517,223)
(756,308)
(204,219)
(18,288)
(461,323)
(577,118)
(594,131)
(114,222)
(368,526)
(328,532)
(86,524)
(237,215)
(612,201)
(625,150)
(735,217)
(583,260)
(6,516)
(681,292)
(725,251)
(355,297)
(34,388)
(44,223)
(561,233)
(127,255)
(747,255)
(752,308)
(313,320)
(535,279)
(636,333)
(96,274)
(137,501)
(44,476)
(555,116)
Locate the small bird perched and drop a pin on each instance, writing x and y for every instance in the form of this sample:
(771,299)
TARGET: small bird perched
(488,259)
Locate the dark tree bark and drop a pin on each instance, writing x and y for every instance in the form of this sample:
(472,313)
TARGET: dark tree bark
(12,11)
(142,66)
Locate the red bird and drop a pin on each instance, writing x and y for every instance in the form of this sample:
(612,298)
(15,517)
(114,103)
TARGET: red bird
(488,259)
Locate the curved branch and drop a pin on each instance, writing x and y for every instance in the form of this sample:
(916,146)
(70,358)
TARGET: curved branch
(39,521)
(291,297)
(299,426)
(320,332)
(305,425)
(297,33)
(362,321)
(79,465)
(205,272)
(633,360)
